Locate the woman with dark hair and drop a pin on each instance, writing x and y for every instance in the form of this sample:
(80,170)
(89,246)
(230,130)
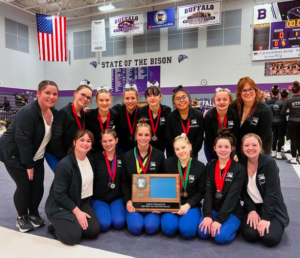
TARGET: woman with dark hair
(255,115)
(107,197)
(266,214)
(66,124)
(274,98)
(22,149)
(184,119)
(157,114)
(293,104)
(67,206)
(100,118)
(222,211)
(279,124)
(5,105)
(142,159)
(127,116)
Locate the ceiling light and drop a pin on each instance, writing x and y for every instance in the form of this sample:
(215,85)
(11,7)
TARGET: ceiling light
(105,8)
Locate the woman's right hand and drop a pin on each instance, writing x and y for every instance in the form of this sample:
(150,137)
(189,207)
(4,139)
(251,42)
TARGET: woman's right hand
(129,207)
(206,225)
(253,219)
(81,218)
(30,172)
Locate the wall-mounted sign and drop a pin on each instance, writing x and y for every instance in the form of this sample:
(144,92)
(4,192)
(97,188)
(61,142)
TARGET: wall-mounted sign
(282,68)
(161,19)
(98,36)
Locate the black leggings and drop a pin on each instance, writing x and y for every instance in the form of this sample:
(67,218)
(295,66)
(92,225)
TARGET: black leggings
(28,194)
(70,233)
(273,238)
(267,144)
(279,131)
(294,132)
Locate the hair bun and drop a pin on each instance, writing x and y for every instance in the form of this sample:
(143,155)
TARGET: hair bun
(295,84)
(143,120)
(275,87)
(284,90)
(224,132)
(177,88)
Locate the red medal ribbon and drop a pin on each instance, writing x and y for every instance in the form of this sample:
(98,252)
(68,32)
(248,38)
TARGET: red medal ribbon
(144,169)
(107,121)
(186,131)
(112,171)
(220,123)
(131,127)
(219,180)
(76,117)
(151,120)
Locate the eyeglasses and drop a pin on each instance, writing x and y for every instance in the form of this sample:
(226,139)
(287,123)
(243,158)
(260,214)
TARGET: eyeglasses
(85,96)
(250,90)
(183,98)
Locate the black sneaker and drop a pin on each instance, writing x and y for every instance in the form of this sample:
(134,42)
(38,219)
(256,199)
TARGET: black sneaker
(24,224)
(36,220)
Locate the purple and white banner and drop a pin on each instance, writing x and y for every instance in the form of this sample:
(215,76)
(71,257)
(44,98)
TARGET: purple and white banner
(120,26)
(205,104)
(139,76)
(199,15)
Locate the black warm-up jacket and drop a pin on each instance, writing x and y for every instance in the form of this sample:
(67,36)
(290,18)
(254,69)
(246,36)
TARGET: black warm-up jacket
(293,104)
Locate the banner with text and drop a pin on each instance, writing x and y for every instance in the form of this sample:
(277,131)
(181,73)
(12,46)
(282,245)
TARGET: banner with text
(161,19)
(199,15)
(124,25)
(98,36)
(282,68)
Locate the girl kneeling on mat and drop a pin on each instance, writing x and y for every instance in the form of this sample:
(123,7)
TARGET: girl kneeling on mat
(107,198)
(222,211)
(192,179)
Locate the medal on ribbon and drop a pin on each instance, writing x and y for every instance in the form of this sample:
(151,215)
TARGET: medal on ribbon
(131,126)
(142,166)
(154,128)
(107,121)
(186,131)
(220,123)
(219,180)
(76,117)
(184,177)
(112,170)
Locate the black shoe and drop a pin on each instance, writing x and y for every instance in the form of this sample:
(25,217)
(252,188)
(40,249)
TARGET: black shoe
(36,220)
(23,224)
(288,151)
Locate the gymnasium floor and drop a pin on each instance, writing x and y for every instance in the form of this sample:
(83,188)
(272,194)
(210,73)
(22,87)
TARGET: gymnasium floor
(39,243)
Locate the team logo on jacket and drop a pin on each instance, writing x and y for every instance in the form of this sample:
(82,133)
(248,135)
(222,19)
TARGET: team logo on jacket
(162,119)
(229,176)
(152,165)
(119,163)
(261,179)
(254,121)
(193,121)
(191,178)
(230,123)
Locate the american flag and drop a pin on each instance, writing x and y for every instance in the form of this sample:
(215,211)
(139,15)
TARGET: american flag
(51,33)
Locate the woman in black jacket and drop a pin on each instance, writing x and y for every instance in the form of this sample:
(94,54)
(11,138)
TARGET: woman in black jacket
(184,119)
(67,206)
(67,121)
(221,116)
(293,104)
(222,211)
(22,149)
(255,116)
(157,114)
(100,118)
(107,197)
(266,214)
(192,179)
(142,159)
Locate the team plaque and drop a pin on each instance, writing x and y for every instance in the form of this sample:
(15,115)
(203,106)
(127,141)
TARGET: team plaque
(153,192)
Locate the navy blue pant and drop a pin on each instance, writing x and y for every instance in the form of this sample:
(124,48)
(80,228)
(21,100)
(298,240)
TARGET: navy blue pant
(227,231)
(137,221)
(187,224)
(51,160)
(109,214)
(207,153)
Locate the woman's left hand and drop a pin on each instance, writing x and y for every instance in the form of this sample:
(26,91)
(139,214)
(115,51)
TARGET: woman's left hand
(262,226)
(183,209)
(215,227)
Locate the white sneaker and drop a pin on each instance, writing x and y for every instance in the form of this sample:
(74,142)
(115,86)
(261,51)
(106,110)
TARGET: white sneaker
(278,156)
(273,154)
(293,161)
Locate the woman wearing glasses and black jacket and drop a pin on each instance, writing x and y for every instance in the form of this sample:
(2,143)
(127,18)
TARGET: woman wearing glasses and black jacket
(255,116)
(66,123)
(184,119)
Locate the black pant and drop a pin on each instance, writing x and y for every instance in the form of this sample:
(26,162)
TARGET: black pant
(294,132)
(70,233)
(279,131)
(267,144)
(28,194)
(274,237)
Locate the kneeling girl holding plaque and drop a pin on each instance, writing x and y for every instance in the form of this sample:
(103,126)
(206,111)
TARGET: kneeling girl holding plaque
(222,211)
(192,179)
(107,197)
(142,159)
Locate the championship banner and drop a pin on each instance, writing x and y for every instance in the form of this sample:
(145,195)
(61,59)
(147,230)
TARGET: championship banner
(282,68)
(120,26)
(98,36)
(205,104)
(161,19)
(199,15)
(276,31)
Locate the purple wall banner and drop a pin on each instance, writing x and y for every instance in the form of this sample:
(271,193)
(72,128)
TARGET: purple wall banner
(139,76)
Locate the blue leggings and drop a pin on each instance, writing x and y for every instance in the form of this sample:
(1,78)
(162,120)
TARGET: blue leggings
(136,221)
(109,214)
(187,224)
(227,231)
(51,160)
